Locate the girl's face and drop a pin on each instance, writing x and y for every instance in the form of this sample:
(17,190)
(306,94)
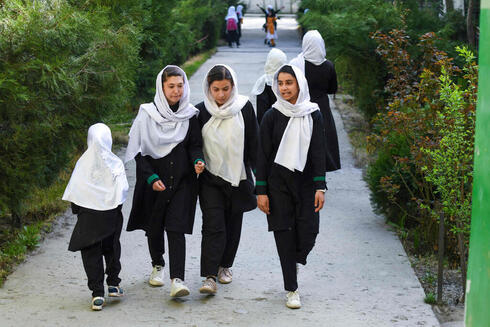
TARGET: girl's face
(288,87)
(221,91)
(173,88)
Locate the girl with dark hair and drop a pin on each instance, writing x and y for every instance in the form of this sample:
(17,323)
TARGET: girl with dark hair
(290,179)
(165,140)
(322,81)
(230,136)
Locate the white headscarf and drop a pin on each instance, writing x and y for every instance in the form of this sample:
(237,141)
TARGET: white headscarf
(313,50)
(224,134)
(231,14)
(293,149)
(269,8)
(239,9)
(157,129)
(99,180)
(275,59)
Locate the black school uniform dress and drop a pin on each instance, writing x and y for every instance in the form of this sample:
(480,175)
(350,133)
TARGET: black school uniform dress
(322,80)
(265,100)
(96,235)
(291,194)
(173,209)
(223,205)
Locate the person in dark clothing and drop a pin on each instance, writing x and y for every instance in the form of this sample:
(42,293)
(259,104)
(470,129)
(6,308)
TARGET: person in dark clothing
(239,14)
(322,80)
(96,190)
(290,179)
(262,88)
(232,27)
(165,140)
(230,137)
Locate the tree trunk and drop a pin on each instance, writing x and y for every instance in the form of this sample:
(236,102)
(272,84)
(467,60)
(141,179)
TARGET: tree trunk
(462,261)
(470,29)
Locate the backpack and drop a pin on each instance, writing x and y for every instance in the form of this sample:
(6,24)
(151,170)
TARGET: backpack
(231,25)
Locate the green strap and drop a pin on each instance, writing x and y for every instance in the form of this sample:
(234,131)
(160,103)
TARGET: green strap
(319,179)
(152,178)
(261,183)
(195,161)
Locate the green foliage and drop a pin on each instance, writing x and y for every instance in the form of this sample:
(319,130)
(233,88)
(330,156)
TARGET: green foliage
(347,26)
(430,298)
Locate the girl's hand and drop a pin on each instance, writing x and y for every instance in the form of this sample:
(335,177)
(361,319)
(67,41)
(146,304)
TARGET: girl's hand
(319,200)
(199,167)
(263,203)
(158,186)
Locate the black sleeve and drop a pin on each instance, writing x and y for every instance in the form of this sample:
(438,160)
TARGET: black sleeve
(262,105)
(195,141)
(317,153)
(264,152)
(332,83)
(263,10)
(251,134)
(74,208)
(146,170)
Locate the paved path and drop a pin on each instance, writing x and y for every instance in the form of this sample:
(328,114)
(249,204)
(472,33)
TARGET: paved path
(358,274)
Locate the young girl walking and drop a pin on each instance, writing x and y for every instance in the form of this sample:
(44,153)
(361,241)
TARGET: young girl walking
(165,140)
(262,88)
(230,136)
(97,190)
(291,173)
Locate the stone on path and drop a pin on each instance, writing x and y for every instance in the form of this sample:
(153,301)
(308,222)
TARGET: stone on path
(357,275)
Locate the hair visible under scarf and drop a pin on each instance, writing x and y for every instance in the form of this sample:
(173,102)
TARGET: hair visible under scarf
(295,142)
(224,133)
(171,71)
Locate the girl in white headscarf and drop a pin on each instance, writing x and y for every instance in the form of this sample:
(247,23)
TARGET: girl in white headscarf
(97,190)
(232,26)
(290,179)
(262,88)
(239,13)
(230,136)
(165,140)
(322,81)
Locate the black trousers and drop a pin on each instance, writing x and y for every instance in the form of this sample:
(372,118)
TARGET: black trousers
(221,233)
(176,251)
(110,249)
(232,36)
(293,246)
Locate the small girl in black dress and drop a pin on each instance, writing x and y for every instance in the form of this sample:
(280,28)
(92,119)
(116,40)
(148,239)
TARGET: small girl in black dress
(97,190)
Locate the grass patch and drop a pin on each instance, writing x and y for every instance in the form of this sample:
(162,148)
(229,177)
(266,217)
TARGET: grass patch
(430,298)
(193,64)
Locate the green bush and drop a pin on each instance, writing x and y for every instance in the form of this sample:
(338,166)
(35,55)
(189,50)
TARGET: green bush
(62,69)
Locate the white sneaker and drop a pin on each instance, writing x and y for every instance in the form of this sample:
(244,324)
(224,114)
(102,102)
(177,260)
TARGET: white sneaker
(156,277)
(293,300)
(225,275)
(178,289)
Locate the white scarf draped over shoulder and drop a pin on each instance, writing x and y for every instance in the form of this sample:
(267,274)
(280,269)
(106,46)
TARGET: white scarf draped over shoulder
(98,181)
(224,134)
(295,142)
(231,14)
(313,50)
(157,129)
(275,59)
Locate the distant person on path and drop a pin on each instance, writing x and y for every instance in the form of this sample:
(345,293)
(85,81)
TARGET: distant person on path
(290,179)
(165,140)
(230,138)
(97,189)
(322,80)
(239,13)
(232,24)
(262,88)
(270,24)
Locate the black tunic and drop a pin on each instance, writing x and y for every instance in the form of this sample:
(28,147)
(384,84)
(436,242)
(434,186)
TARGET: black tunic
(265,100)
(93,226)
(291,194)
(175,207)
(322,80)
(242,197)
